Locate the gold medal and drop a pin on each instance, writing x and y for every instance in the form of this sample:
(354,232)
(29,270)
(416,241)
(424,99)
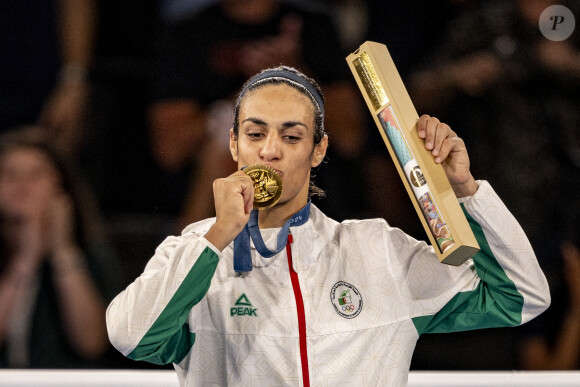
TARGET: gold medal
(267,185)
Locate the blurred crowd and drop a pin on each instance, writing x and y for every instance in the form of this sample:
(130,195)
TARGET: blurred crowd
(115,117)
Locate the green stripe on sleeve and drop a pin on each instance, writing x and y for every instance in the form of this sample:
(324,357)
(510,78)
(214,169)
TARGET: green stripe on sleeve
(495,302)
(169,339)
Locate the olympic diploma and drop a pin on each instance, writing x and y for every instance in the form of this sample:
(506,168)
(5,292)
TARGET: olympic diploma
(425,181)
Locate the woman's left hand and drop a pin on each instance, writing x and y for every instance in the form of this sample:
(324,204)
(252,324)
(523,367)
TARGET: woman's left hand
(449,151)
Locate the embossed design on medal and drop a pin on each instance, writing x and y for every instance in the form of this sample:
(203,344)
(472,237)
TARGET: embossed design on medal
(267,185)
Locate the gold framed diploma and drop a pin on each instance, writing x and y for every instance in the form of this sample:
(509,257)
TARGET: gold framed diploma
(425,181)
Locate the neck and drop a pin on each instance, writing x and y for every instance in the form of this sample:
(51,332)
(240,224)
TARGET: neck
(279,214)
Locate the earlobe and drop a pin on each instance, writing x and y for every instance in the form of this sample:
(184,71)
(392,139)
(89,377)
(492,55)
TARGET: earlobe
(234,151)
(320,151)
(233,145)
(317,159)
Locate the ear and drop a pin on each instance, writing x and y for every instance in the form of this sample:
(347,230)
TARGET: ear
(319,152)
(233,145)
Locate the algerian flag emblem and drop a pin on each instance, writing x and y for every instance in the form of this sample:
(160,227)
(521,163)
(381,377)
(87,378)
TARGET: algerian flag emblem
(346,299)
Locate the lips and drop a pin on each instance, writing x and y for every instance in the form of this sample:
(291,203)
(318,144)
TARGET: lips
(279,172)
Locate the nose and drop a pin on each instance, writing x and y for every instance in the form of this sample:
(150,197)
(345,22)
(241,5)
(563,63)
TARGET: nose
(270,148)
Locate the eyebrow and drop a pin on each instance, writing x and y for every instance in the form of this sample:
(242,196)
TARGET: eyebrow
(256,121)
(290,124)
(285,125)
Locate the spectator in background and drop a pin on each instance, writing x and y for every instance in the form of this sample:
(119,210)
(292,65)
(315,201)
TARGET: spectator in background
(56,273)
(46,51)
(204,61)
(516,94)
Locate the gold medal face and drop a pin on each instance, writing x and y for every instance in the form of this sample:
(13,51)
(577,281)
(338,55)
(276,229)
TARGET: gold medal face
(267,185)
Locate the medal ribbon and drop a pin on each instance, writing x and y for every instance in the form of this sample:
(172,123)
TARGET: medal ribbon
(242,255)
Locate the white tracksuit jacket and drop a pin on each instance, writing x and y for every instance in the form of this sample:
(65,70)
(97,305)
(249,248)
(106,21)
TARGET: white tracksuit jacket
(367,292)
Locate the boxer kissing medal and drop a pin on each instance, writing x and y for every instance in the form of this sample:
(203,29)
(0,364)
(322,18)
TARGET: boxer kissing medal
(267,185)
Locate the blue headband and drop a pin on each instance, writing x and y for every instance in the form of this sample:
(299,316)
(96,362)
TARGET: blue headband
(289,75)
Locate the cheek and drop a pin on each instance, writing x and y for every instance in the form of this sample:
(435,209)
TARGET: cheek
(246,152)
(44,189)
(10,190)
(299,173)
(15,198)
(26,192)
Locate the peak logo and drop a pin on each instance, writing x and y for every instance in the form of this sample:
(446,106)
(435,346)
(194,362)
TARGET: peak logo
(243,307)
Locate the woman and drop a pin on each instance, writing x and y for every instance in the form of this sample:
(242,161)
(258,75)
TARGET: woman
(344,303)
(51,260)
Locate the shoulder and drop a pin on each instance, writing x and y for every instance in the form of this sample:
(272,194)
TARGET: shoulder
(189,243)
(321,221)
(374,232)
(190,233)
(370,231)
(200,227)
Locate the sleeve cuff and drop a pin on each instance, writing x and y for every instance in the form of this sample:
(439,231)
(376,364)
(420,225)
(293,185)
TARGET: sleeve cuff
(211,246)
(476,194)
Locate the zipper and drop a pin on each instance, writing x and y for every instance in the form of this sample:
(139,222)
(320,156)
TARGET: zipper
(301,314)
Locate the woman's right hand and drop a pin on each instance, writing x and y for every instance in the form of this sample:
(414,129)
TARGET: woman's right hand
(233,199)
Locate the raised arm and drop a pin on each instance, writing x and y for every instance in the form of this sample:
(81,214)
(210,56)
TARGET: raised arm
(502,285)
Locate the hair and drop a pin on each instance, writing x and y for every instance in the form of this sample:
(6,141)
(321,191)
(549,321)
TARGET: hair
(300,82)
(294,79)
(87,219)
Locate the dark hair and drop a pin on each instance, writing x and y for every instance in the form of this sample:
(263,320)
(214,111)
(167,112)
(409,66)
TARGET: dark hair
(298,81)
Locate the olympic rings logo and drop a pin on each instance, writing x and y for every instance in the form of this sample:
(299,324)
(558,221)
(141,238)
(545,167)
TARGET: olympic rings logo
(348,308)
